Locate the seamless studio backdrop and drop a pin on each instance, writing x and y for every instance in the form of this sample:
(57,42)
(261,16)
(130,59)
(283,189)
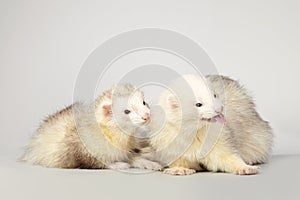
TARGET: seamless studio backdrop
(44,44)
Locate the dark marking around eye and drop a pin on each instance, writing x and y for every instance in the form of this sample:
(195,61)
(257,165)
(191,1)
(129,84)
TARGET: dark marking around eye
(144,103)
(198,104)
(136,150)
(215,95)
(126,112)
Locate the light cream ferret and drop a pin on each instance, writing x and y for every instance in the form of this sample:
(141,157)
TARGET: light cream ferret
(195,134)
(94,136)
(254,137)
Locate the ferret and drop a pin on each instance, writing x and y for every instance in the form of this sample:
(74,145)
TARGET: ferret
(254,136)
(196,135)
(100,135)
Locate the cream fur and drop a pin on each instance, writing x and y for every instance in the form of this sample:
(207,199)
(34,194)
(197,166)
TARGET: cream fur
(99,135)
(253,136)
(189,139)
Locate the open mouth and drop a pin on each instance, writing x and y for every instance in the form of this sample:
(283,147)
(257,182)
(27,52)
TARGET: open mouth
(145,122)
(218,118)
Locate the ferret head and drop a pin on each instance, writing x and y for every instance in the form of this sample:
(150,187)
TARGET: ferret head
(194,99)
(124,106)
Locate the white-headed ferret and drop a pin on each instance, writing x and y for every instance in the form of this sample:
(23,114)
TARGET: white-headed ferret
(195,134)
(94,136)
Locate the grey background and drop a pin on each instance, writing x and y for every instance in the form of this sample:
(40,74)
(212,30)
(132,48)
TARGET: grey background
(44,43)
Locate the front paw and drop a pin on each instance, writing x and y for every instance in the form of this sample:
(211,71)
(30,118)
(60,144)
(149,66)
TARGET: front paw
(147,164)
(247,170)
(119,165)
(179,171)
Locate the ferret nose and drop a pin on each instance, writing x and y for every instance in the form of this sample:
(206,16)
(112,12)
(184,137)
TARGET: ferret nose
(219,110)
(146,116)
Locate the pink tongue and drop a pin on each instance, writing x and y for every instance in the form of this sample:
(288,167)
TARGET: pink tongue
(220,118)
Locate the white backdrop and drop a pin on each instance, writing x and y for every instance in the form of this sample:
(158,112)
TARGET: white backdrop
(44,43)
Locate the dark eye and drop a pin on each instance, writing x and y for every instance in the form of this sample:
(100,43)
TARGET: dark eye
(198,104)
(215,95)
(144,103)
(126,112)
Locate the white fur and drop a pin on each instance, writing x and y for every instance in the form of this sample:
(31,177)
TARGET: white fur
(253,135)
(144,163)
(91,136)
(188,138)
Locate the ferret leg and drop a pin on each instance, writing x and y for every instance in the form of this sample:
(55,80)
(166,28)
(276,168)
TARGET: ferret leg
(224,159)
(143,163)
(119,165)
(179,171)
(181,167)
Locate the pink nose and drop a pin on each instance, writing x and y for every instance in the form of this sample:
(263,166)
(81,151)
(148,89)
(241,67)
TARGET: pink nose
(146,116)
(219,110)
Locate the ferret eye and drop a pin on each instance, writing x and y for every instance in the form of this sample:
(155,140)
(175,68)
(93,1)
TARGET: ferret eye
(198,104)
(215,95)
(126,112)
(144,103)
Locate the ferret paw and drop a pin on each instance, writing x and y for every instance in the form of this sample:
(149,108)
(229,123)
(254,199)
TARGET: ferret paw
(247,170)
(119,165)
(147,164)
(179,171)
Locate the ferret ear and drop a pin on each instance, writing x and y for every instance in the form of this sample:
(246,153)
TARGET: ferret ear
(172,101)
(106,108)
